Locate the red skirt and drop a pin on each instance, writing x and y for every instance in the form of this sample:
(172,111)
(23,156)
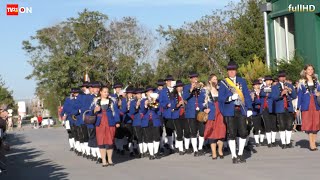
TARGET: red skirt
(311,118)
(215,129)
(104,132)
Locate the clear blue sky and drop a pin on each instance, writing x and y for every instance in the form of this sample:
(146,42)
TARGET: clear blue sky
(151,13)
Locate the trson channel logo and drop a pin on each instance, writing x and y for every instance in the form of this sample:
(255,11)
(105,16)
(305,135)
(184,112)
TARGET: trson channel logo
(15,10)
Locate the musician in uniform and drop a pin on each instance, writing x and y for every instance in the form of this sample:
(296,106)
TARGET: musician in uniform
(258,127)
(215,128)
(160,83)
(137,112)
(119,137)
(166,95)
(191,94)
(235,105)
(178,114)
(151,123)
(67,116)
(127,118)
(267,110)
(308,104)
(282,95)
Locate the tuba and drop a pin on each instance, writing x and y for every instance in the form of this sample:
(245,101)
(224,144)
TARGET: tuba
(153,103)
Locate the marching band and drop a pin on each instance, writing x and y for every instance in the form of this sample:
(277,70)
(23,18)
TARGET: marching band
(185,118)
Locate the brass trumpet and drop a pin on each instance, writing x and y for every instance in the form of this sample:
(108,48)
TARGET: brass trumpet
(74,117)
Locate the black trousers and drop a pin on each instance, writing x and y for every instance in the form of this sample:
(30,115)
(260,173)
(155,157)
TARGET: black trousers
(92,137)
(285,121)
(179,127)
(76,134)
(71,132)
(83,133)
(151,133)
(257,125)
(191,128)
(270,121)
(169,126)
(236,125)
(128,131)
(138,133)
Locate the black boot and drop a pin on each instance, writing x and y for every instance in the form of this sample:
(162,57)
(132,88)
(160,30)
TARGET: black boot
(289,145)
(171,151)
(71,149)
(234,160)
(189,151)
(140,156)
(201,152)
(152,157)
(283,146)
(241,159)
(196,154)
(181,153)
(99,161)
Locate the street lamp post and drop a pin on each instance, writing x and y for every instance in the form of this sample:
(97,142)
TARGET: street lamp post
(266,8)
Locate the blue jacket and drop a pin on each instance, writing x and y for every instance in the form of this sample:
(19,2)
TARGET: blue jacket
(266,96)
(113,116)
(164,100)
(160,112)
(175,111)
(304,97)
(76,111)
(227,107)
(210,105)
(86,102)
(256,105)
(126,114)
(67,110)
(192,100)
(137,113)
(278,99)
(153,114)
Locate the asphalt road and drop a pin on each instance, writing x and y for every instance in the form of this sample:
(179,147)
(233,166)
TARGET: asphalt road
(44,154)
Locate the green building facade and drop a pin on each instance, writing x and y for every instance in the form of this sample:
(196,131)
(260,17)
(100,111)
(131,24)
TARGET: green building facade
(293,27)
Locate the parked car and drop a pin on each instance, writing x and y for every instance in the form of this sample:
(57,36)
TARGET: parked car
(46,120)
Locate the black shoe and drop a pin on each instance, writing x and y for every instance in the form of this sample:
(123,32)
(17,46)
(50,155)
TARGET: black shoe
(89,157)
(99,161)
(176,150)
(289,145)
(221,156)
(80,154)
(270,146)
(315,149)
(105,165)
(131,154)
(189,151)
(84,155)
(214,158)
(152,158)
(201,152)
(274,144)
(258,145)
(171,151)
(140,156)
(254,150)
(241,159)
(283,146)
(112,164)
(196,154)
(234,160)
(71,149)
(157,156)
(122,152)
(181,153)
(161,151)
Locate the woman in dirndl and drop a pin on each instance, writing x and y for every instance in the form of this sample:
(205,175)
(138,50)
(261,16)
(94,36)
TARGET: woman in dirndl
(108,118)
(308,104)
(215,128)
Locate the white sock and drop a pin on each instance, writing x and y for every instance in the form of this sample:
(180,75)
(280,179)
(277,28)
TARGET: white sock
(77,145)
(140,148)
(186,143)
(83,148)
(156,145)
(194,144)
(130,147)
(150,148)
(273,136)
(73,142)
(242,143)
(87,148)
(70,143)
(145,147)
(94,152)
(288,136)
(256,138)
(170,141)
(261,138)
(283,137)
(98,152)
(232,146)
(180,145)
(268,138)
(201,141)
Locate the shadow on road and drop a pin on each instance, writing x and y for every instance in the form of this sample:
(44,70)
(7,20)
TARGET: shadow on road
(303,144)
(22,163)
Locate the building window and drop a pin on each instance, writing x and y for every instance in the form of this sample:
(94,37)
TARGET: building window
(284,37)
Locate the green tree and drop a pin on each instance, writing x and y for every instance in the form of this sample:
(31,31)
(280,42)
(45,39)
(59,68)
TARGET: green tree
(6,96)
(247,29)
(292,68)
